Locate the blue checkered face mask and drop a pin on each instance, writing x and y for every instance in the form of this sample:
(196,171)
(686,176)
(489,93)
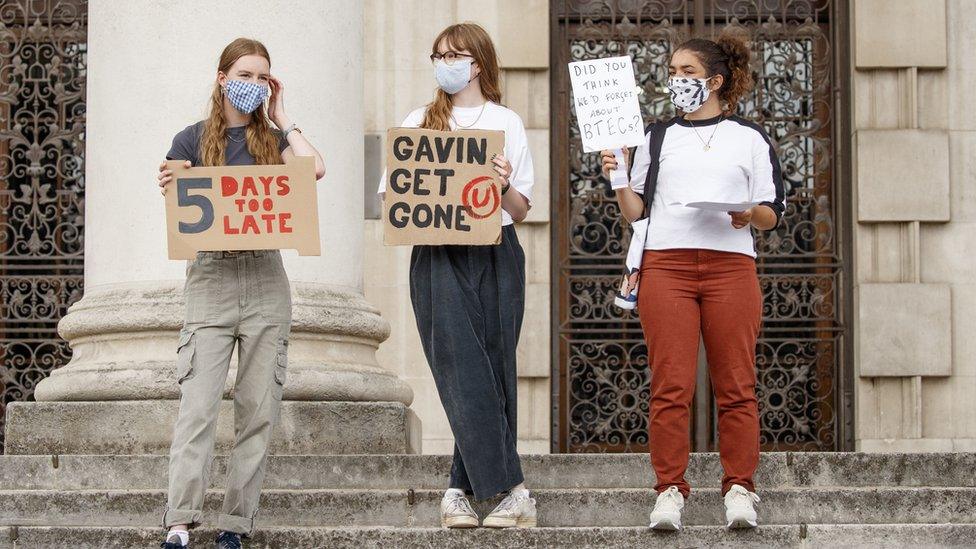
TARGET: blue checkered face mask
(453,78)
(245,96)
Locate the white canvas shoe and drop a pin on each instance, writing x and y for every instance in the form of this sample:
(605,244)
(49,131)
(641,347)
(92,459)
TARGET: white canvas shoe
(667,510)
(516,510)
(740,511)
(456,511)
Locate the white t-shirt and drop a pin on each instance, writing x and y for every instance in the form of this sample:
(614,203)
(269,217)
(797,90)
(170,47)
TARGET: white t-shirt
(740,166)
(494,117)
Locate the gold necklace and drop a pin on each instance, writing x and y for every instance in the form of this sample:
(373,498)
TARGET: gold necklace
(231,137)
(706,145)
(458,125)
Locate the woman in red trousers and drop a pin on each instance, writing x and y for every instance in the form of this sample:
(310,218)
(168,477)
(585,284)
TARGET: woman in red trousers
(698,274)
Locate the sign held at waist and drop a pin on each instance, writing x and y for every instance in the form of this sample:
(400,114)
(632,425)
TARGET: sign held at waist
(441,187)
(222,208)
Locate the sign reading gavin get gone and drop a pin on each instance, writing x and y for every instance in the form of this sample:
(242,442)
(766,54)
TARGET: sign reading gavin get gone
(441,187)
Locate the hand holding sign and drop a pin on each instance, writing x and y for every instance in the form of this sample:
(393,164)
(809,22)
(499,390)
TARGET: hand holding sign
(165,176)
(242,208)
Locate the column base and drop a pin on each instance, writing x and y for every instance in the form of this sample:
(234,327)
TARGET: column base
(146,427)
(123,339)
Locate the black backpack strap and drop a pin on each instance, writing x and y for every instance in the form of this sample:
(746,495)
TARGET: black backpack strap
(656,140)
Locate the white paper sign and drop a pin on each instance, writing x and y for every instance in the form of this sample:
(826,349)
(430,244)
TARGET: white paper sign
(722,206)
(605,96)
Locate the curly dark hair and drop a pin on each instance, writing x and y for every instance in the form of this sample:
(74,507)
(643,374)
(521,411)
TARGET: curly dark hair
(729,56)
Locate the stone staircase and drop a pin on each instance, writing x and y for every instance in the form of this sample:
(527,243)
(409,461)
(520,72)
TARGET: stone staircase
(363,501)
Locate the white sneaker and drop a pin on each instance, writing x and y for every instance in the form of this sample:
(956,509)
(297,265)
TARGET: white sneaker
(516,510)
(740,511)
(456,511)
(667,510)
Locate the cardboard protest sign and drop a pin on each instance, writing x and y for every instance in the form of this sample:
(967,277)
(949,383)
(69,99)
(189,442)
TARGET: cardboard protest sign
(605,97)
(225,208)
(441,187)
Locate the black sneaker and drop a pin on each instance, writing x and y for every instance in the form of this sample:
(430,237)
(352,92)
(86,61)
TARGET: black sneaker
(173,542)
(228,540)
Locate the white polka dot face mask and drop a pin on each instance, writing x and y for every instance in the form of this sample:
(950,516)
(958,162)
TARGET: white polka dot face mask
(688,94)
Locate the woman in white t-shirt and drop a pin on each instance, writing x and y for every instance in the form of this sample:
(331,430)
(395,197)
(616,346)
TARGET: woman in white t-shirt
(468,300)
(698,273)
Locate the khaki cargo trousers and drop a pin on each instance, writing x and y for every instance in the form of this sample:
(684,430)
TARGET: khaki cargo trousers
(233,299)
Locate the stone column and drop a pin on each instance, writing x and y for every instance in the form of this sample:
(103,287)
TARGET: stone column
(151,70)
(905,305)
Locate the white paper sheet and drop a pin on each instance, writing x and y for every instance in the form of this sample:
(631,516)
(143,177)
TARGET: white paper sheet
(618,177)
(722,206)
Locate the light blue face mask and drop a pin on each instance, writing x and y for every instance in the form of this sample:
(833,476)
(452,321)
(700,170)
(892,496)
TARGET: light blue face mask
(453,78)
(245,96)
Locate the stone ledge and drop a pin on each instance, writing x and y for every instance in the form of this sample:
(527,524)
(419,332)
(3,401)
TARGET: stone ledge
(772,536)
(550,471)
(561,508)
(145,427)
(931,446)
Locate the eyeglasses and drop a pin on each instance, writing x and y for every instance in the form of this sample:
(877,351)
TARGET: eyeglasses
(449,57)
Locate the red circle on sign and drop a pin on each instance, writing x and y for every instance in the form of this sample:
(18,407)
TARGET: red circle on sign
(469,198)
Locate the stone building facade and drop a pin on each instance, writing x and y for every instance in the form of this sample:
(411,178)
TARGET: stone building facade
(884,320)
(912,192)
(916,205)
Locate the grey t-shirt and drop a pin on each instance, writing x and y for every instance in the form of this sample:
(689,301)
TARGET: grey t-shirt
(186,146)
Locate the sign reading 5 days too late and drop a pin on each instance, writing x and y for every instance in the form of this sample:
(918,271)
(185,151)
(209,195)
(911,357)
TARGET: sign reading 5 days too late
(441,187)
(242,208)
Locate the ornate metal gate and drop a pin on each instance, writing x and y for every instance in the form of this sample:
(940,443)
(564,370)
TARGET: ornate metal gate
(600,377)
(42,151)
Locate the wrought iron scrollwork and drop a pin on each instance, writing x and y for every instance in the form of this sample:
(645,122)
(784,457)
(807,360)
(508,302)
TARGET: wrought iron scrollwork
(601,350)
(43,57)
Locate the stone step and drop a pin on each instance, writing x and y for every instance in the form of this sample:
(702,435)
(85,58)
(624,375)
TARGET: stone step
(776,470)
(786,536)
(146,427)
(569,507)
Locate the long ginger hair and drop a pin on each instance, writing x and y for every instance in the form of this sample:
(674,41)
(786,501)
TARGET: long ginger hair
(471,37)
(262,141)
